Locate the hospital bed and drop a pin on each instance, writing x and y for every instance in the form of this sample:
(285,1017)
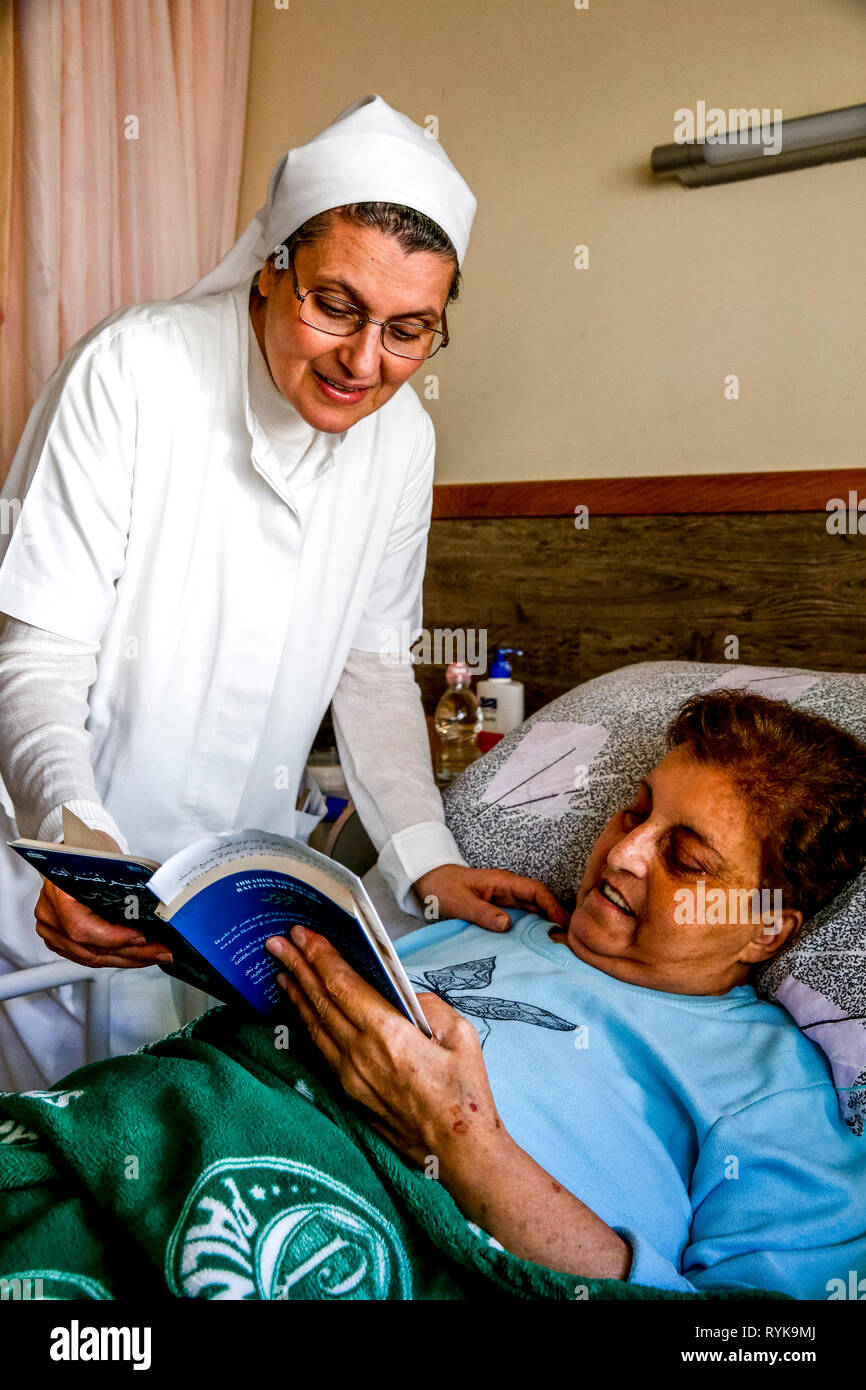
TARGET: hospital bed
(759,564)
(97,984)
(637,703)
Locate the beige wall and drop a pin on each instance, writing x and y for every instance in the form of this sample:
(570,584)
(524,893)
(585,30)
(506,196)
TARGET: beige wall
(550,114)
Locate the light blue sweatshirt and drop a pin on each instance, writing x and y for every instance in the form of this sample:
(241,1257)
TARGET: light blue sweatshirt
(704,1129)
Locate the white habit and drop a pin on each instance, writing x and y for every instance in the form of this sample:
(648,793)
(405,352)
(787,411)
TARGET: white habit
(221,577)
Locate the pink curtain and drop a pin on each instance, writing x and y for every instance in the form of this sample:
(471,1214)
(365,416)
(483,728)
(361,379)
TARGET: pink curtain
(127,141)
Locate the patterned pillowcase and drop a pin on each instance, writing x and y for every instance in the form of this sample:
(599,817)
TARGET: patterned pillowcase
(536,803)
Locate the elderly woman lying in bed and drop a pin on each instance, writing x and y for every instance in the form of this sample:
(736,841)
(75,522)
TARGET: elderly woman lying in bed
(606,1099)
(612,1098)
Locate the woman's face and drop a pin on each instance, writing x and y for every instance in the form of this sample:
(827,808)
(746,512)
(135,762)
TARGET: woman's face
(372,270)
(686,823)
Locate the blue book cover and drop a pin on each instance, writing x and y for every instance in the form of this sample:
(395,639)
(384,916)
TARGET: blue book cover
(116,889)
(113,887)
(215,904)
(229,920)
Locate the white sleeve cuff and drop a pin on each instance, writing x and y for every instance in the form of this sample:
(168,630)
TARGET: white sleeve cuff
(413,852)
(93,813)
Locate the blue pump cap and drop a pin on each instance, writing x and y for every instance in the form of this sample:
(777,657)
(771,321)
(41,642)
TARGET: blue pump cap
(500,668)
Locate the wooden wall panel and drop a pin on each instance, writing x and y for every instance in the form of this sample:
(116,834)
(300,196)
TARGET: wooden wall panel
(778,491)
(638,588)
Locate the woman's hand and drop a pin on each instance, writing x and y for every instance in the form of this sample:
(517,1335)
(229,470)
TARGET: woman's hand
(78,934)
(458,891)
(432,1099)
(430,1096)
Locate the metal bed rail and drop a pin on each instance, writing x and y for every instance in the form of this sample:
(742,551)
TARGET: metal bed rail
(97,1023)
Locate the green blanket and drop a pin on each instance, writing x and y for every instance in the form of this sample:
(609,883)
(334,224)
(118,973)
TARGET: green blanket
(220,1163)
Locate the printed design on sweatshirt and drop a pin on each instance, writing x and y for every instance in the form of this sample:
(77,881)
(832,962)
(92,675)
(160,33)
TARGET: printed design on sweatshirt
(478,974)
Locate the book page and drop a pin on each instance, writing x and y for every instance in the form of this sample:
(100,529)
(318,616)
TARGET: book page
(393,966)
(76,833)
(196,860)
(242,869)
(56,850)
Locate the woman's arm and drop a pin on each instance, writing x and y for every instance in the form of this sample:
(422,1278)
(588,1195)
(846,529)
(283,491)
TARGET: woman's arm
(506,1192)
(431,1099)
(386,762)
(388,771)
(45,765)
(45,747)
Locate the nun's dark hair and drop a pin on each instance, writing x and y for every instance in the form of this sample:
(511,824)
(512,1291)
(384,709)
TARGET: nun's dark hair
(414,231)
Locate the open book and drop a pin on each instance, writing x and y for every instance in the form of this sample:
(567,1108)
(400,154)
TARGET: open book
(215,904)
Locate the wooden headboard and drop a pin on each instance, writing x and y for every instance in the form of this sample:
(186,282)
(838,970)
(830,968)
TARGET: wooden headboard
(666,569)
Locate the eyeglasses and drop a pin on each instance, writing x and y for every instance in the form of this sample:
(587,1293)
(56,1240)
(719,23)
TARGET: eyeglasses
(404,337)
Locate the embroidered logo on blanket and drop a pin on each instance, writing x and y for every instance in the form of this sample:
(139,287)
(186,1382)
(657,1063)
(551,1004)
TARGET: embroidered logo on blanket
(271,1228)
(13,1133)
(59,1099)
(50,1284)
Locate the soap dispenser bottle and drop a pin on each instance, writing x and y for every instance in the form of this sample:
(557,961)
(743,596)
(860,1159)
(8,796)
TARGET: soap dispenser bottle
(501,700)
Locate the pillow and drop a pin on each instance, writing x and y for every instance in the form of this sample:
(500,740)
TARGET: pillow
(537,801)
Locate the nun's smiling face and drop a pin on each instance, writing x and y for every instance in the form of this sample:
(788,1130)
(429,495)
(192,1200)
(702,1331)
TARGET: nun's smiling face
(368,268)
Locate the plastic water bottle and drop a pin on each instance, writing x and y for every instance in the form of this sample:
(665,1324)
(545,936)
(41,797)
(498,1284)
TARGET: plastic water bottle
(501,700)
(457,722)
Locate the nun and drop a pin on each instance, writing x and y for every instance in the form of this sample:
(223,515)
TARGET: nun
(225,505)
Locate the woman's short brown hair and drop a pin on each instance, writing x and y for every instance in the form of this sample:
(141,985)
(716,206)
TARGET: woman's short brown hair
(804,778)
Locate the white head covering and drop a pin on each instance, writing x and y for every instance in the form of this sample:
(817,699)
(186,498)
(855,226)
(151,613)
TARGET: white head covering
(370,153)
